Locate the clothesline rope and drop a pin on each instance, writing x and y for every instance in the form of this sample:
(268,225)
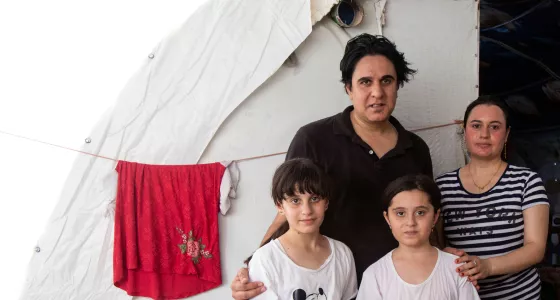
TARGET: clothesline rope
(456,122)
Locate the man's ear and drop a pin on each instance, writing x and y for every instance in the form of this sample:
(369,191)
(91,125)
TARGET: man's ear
(348,88)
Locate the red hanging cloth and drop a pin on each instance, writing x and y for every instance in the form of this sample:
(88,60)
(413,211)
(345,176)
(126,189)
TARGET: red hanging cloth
(166,229)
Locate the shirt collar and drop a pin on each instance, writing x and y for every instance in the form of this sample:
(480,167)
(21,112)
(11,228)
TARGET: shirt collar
(343,126)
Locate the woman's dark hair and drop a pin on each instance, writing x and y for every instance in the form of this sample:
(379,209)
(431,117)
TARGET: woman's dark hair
(410,183)
(297,176)
(367,44)
(486,100)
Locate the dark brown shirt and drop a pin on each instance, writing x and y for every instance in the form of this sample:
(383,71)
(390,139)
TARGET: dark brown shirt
(355,215)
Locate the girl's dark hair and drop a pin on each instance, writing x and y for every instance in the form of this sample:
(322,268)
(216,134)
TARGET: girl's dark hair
(366,44)
(486,100)
(409,183)
(297,176)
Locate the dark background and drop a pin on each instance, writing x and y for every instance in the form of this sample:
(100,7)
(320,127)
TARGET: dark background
(520,63)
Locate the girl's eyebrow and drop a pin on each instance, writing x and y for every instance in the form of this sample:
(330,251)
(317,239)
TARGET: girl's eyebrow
(421,206)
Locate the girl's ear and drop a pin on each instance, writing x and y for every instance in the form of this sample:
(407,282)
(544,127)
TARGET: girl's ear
(436,216)
(280,209)
(326,204)
(386,216)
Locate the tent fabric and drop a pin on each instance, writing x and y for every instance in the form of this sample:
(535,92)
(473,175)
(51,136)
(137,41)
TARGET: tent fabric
(150,122)
(166,114)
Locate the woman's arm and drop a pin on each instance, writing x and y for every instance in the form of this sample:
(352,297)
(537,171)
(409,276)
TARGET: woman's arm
(535,226)
(535,230)
(532,252)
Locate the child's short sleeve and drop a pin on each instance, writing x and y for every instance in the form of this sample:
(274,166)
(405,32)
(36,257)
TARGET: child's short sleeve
(369,288)
(258,271)
(466,290)
(351,288)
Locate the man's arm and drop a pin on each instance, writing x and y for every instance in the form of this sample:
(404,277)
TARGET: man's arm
(278,221)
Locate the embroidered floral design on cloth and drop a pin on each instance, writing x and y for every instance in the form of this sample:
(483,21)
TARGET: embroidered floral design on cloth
(194,248)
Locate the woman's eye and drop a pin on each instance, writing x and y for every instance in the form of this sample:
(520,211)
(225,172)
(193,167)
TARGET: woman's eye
(315,199)
(295,200)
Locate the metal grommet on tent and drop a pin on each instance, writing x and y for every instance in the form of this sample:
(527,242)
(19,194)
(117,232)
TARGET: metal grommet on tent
(37,249)
(347,13)
(88,140)
(151,56)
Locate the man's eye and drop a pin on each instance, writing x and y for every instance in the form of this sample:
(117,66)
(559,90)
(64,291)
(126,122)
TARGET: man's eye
(387,81)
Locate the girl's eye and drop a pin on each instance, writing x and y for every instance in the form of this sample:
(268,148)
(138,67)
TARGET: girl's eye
(400,213)
(295,200)
(315,199)
(475,126)
(495,127)
(420,212)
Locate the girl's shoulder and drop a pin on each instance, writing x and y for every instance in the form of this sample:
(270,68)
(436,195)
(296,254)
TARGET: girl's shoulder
(382,267)
(339,248)
(267,252)
(447,258)
(336,244)
(448,267)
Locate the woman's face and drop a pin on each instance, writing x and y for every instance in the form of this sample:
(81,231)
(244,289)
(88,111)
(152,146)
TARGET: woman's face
(486,132)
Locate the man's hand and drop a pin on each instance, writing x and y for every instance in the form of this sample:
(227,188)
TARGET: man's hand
(242,289)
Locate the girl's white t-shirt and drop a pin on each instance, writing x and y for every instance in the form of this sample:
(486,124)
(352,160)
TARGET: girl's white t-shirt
(381,281)
(284,280)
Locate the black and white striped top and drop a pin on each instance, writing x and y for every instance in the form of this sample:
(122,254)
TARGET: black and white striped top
(491,224)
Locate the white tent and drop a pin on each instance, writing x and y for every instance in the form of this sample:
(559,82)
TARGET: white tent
(213,90)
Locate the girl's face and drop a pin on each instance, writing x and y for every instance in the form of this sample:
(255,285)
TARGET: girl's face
(304,212)
(486,132)
(411,217)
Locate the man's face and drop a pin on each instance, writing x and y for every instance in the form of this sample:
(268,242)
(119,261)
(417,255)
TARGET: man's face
(374,88)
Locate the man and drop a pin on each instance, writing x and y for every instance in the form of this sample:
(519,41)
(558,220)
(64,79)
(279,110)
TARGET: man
(363,149)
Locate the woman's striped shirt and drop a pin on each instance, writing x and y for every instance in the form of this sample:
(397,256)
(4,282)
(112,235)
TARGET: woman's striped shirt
(491,224)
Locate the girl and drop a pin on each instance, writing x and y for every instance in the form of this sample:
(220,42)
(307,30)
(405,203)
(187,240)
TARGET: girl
(495,212)
(297,262)
(415,269)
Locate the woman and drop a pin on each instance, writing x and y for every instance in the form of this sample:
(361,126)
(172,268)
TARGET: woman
(496,213)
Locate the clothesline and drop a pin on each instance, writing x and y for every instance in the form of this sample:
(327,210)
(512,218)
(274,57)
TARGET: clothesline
(456,122)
